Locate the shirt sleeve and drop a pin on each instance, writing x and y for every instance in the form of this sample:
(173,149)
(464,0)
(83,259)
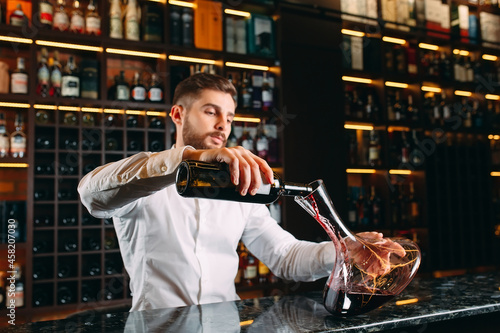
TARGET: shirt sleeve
(286,256)
(115,187)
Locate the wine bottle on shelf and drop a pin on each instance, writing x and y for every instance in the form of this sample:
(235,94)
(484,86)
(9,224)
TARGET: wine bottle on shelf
(39,270)
(88,295)
(70,81)
(43,74)
(187,27)
(357,109)
(246,92)
(19,78)
(63,270)
(42,221)
(4,137)
(156,122)
(91,243)
(152,22)
(352,212)
(374,159)
(371,109)
(61,18)
(217,184)
(250,270)
(132,21)
(175,25)
(89,79)
(115,20)
(40,297)
(77,21)
(64,295)
(18,18)
(376,205)
(92,20)
(155,91)
(70,244)
(46,13)
(262,143)
(55,76)
(413,207)
(267,93)
(88,119)
(155,145)
(399,111)
(405,148)
(40,246)
(18,138)
(138,91)
(122,88)
(411,110)
(111,144)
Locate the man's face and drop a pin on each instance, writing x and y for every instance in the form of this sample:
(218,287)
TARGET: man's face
(207,123)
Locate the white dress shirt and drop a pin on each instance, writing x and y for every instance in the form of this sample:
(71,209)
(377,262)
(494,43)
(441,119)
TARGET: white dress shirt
(182,251)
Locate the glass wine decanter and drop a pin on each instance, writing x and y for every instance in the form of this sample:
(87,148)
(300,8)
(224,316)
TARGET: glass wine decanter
(369,270)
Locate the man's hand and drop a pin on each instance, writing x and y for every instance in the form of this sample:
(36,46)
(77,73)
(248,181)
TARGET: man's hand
(245,167)
(372,254)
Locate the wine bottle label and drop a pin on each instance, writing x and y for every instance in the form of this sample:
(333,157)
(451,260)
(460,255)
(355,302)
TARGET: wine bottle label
(414,209)
(18,144)
(250,272)
(132,28)
(19,83)
(61,21)
(55,78)
(4,145)
(46,13)
(115,26)
(43,75)
(17,21)
(70,86)
(93,25)
(373,153)
(139,94)
(122,93)
(77,23)
(155,94)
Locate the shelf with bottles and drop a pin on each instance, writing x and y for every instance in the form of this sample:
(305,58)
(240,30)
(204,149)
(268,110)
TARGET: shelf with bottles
(385,201)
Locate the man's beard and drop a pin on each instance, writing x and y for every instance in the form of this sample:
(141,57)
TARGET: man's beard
(191,137)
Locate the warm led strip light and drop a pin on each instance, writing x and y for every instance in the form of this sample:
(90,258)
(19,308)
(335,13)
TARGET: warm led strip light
(135,112)
(69,46)
(189,59)
(361,127)
(14,105)
(246,322)
(399,172)
(356,79)
(360,170)
(247,66)
(69,108)
(428,46)
(352,33)
(492,97)
(156,114)
(136,53)
(490,57)
(181,3)
(431,89)
(16,39)
(247,119)
(116,111)
(394,40)
(461,52)
(494,137)
(396,84)
(463,93)
(495,174)
(398,129)
(87,109)
(237,12)
(45,107)
(14,165)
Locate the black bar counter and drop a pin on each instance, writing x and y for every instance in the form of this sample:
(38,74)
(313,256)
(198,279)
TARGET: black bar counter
(467,303)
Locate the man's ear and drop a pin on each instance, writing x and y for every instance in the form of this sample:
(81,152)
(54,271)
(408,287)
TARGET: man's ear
(176,113)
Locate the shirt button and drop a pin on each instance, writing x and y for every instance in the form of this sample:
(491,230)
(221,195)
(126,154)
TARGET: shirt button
(164,169)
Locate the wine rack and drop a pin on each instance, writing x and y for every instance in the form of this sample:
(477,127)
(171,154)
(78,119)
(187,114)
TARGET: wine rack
(70,259)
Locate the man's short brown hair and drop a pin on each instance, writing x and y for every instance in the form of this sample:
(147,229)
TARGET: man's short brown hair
(191,88)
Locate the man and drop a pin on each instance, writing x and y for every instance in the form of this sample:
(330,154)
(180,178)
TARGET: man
(182,251)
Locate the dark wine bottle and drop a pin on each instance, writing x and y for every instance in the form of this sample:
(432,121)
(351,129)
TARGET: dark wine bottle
(39,270)
(67,221)
(40,297)
(44,142)
(155,145)
(42,221)
(91,243)
(64,295)
(70,245)
(40,246)
(63,270)
(93,268)
(197,179)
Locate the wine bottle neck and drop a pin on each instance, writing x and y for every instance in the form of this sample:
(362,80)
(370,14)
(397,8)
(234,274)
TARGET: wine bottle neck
(296,189)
